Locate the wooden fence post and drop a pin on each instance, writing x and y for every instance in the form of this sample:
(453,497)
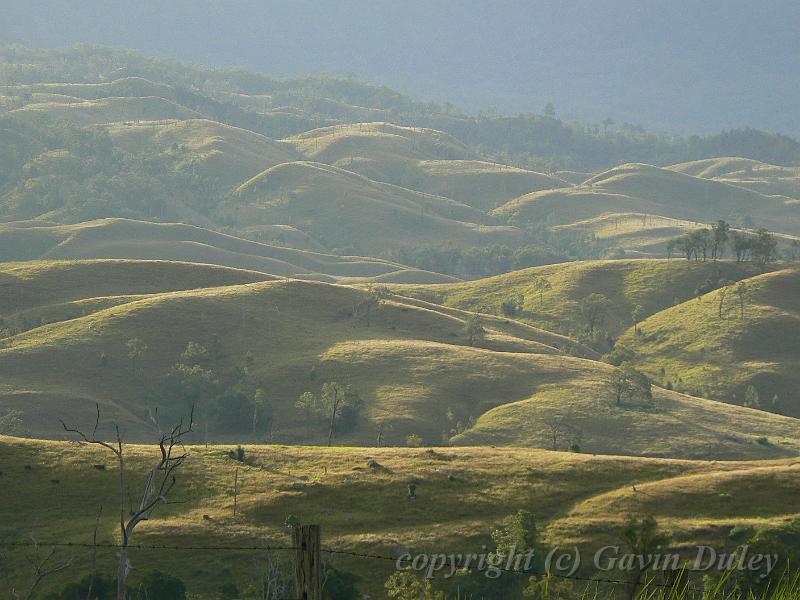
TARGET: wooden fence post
(307,563)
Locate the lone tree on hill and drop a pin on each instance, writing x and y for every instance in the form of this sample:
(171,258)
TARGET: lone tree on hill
(743,293)
(541,285)
(362,308)
(307,403)
(558,428)
(340,404)
(160,482)
(474,329)
(626,383)
(136,349)
(636,316)
(594,309)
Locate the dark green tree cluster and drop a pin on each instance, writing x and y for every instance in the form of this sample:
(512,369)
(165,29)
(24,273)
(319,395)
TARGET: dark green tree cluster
(225,400)
(336,409)
(627,385)
(760,247)
(473,263)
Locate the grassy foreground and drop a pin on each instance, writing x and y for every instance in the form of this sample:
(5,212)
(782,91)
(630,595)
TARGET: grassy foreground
(359,497)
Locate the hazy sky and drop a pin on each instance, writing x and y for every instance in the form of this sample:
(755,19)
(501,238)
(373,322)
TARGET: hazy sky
(677,65)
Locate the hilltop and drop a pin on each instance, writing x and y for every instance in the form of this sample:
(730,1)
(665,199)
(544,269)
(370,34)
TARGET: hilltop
(649,190)
(103,110)
(128,239)
(421,159)
(655,285)
(217,151)
(346,210)
(383,143)
(710,346)
(747,173)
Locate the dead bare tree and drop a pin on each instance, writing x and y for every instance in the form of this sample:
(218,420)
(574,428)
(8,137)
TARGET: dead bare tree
(556,427)
(160,482)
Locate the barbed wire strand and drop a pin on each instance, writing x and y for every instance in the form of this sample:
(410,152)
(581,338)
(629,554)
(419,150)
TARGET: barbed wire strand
(397,560)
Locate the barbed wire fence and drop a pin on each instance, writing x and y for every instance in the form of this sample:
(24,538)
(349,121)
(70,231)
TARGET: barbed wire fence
(308,551)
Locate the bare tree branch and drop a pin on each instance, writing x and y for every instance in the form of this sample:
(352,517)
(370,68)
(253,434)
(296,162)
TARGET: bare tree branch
(160,481)
(43,567)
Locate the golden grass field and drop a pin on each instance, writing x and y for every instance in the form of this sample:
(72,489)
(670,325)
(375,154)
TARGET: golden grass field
(462,495)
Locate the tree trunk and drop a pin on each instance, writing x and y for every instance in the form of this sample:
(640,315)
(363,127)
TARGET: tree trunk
(333,416)
(122,565)
(122,573)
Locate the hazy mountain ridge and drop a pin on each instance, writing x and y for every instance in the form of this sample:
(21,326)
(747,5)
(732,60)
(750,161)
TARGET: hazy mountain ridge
(680,66)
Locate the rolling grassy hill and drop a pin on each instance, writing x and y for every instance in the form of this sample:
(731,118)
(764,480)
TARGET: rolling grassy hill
(732,167)
(348,211)
(379,142)
(30,285)
(105,110)
(639,235)
(484,185)
(654,191)
(652,284)
(421,159)
(462,495)
(719,356)
(409,361)
(105,311)
(747,173)
(374,188)
(697,508)
(228,154)
(122,238)
(121,87)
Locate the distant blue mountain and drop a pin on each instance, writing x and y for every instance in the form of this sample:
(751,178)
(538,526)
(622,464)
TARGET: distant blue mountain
(688,66)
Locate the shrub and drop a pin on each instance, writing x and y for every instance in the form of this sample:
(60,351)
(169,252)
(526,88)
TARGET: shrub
(102,589)
(413,441)
(292,521)
(339,585)
(238,454)
(512,306)
(160,586)
(228,591)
